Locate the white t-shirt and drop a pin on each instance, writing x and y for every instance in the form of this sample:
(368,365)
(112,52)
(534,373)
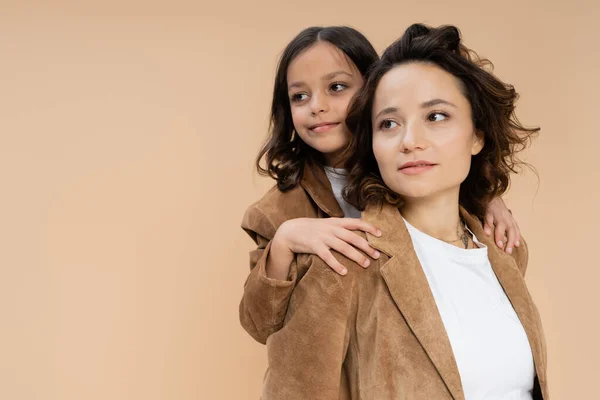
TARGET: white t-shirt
(338,178)
(488,340)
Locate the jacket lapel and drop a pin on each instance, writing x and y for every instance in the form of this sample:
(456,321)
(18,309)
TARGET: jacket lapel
(513,283)
(315,182)
(410,291)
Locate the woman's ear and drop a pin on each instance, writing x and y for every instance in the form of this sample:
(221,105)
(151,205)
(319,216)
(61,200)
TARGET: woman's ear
(478,142)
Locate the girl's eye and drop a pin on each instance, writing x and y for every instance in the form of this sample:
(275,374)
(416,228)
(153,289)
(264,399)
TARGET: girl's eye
(387,124)
(299,97)
(436,117)
(337,87)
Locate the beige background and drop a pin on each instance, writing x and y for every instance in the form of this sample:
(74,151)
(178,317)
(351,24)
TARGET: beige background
(127,135)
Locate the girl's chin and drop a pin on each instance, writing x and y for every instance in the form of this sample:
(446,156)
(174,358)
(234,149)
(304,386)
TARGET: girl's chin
(331,146)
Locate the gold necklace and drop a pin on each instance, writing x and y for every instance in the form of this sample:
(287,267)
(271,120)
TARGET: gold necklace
(463,237)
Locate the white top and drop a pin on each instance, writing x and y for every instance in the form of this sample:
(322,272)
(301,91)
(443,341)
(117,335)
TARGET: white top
(488,340)
(338,178)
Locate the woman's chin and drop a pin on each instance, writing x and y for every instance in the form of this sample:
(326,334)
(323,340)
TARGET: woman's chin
(412,191)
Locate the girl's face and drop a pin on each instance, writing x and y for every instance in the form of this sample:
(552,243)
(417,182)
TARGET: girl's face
(423,133)
(321,83)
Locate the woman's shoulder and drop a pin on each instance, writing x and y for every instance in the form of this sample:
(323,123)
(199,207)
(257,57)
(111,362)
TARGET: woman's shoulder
(521,256)
(357,276)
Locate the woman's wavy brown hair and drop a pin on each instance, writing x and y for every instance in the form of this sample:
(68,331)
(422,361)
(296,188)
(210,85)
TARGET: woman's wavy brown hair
(285,153)
(493,110)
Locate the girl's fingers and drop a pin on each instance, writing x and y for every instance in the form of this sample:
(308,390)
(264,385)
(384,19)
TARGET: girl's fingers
(512,236)
(349,252)
(333,263)
(488,226)
(517,230)
(356,224)
(357,241)
(499,234)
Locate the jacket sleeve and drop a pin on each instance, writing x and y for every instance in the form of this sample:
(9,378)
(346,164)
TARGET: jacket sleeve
(265,300)
(306,356)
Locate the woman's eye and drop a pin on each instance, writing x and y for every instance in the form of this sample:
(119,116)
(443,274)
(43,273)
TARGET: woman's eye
(338,87)
(436,117)
(387,124)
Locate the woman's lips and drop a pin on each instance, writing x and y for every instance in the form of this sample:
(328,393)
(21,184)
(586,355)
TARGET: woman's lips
(416,170)
(416,167)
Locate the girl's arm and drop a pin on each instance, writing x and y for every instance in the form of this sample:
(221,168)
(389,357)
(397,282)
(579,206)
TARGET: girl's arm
(273,263)
(306,356)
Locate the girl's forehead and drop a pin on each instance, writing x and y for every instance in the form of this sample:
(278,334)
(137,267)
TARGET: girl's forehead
(320,58)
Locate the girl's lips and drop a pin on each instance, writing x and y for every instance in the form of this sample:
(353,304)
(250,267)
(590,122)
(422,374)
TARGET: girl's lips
(324,127)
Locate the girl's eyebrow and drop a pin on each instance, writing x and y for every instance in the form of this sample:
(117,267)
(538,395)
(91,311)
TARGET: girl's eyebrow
(336,73)
(325,78)
(295,84)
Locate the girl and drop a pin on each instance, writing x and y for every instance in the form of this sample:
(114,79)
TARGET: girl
(442,313)
(318,74)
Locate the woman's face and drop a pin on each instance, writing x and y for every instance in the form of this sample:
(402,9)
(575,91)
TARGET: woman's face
(423,133)
(321,83)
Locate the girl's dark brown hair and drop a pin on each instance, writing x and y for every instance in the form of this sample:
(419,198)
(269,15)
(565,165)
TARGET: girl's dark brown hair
(493,110)
(284,151)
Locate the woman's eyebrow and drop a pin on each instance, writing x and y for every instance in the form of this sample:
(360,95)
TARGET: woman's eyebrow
(427,104)
(387,110)
(435,102)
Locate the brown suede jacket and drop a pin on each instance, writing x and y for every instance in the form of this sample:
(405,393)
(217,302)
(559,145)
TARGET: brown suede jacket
(375,333)
(265,300)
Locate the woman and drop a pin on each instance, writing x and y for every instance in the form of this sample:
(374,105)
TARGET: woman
(319,72)
(443,313)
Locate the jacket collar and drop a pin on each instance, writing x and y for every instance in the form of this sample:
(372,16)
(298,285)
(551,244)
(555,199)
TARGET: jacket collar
(410,291)
(317,185)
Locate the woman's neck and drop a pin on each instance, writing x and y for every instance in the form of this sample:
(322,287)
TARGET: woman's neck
(436,216)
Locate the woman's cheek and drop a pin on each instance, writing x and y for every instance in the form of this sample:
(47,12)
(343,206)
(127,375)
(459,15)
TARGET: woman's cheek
(381,156)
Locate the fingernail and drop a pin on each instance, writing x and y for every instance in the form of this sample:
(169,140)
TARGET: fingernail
(378,233)
(366,263)
(376,254)
(487,231)
(509,250)
(517,243)
(344,271)
(499,243)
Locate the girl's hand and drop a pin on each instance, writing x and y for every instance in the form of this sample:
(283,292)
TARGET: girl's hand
(499,219)
(321,235)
